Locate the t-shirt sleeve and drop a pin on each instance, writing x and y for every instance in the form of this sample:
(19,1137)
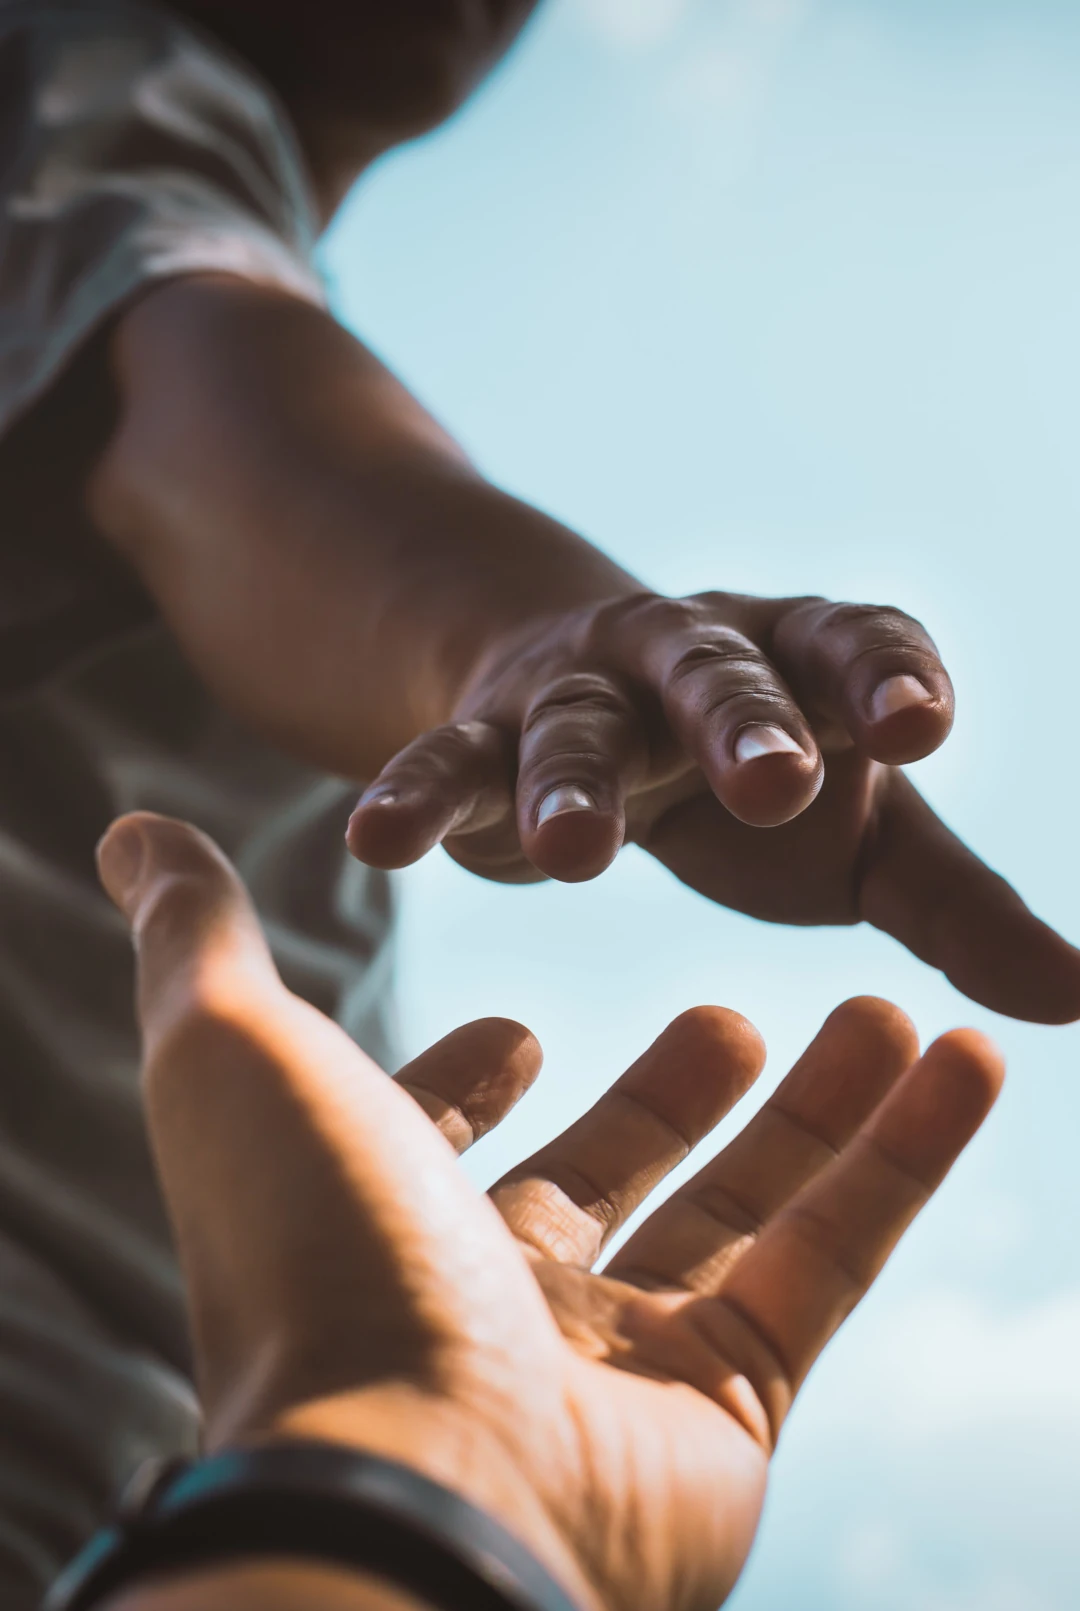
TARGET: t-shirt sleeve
(132,150)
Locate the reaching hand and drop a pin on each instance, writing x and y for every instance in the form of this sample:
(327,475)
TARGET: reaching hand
(346,1282)
(688,726)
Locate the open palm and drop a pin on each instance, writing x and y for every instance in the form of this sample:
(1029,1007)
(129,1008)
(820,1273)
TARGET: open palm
(346,1282)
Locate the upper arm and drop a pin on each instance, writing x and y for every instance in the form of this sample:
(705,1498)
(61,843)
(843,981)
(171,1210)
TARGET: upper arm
(131,153)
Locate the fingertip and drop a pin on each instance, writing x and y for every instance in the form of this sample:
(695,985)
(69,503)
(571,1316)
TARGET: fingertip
(576,841)
(720,1030)
(877,1023)
(481,1069)
(864,1047)
(119,855)
(139,845)
(509,1044)
(907,718)
(388,830)
(939,1106)
(971,1063)
(1034,976)
(697,1068)
(767,787)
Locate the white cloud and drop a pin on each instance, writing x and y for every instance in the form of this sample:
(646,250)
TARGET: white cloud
(947,1362)
(933,1464)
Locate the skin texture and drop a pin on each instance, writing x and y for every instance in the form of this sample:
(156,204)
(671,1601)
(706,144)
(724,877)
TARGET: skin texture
(344,580)
(620,1424)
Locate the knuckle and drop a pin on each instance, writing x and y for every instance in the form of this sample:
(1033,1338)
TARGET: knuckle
(568,761)
(831,637)
(830,1242)
(723,652)
(578,694)
(638,615)
(858,622)
(713,605)
(806,604)
(446,752)
(467,735)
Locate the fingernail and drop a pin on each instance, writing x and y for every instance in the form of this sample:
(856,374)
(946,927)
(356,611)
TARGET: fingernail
(378,797)
(121,856)
(753,742)
(898,693)
(559,801)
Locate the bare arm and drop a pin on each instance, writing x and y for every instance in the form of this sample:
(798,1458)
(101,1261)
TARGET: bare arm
(344,580)
(327,557)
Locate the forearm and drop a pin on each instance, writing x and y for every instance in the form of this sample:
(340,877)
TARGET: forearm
(326,556)
(267,1586)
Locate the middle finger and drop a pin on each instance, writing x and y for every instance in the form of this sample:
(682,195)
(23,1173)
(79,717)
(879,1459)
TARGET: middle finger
(726,704)
(568,1199)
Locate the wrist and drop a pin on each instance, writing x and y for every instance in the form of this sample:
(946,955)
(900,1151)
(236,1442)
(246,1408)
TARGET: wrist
(450,1444)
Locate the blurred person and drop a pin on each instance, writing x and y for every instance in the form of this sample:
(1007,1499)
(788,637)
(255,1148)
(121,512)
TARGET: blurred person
(403,1385)
(243,572)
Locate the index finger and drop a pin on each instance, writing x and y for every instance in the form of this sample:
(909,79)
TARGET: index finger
(726,703)
(468,1082)
(285,1155)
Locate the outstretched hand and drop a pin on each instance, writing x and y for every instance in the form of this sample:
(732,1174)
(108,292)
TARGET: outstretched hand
(691,725)
(346,1282)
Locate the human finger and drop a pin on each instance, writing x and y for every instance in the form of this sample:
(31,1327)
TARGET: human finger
(568,1199)
(454,779)
(923,886)
(582,745)
(286,1157)
(818,1256)
(725,701)
(872,670)
(694,1238)
(468,1082)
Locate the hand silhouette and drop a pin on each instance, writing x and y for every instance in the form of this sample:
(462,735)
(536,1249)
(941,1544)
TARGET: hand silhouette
(753,746)
(346,1282)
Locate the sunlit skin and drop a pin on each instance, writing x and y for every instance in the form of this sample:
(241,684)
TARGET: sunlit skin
(346,1282)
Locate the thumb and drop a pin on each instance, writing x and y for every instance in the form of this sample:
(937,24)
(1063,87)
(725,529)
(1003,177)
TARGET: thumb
(240,1084)
(261,1115)
(201,949)
(325,1233)
(195,932)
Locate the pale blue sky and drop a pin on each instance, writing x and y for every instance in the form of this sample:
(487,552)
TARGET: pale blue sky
(784,296)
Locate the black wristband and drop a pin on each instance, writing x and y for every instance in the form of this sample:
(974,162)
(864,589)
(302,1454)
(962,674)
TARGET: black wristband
(315,1501)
